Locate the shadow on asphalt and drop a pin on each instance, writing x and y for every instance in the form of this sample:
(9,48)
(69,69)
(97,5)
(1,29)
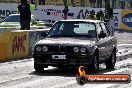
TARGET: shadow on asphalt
(66,72)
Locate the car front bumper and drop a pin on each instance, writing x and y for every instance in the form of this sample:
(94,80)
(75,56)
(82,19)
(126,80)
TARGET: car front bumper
(70,60)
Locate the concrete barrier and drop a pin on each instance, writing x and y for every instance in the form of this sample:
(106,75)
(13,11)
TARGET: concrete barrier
(3,45)
(19,44)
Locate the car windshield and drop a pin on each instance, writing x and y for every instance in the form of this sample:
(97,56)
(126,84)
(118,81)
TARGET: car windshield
(13,18)
(73,29)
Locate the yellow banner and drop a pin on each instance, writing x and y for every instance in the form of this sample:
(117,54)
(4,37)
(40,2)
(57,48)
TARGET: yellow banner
(126,22)
(4,38)
(14,45)
(18,45)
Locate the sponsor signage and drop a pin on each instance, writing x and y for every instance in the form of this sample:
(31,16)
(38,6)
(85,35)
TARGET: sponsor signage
(18,45)
(126,22)
(7,12)
(82,78)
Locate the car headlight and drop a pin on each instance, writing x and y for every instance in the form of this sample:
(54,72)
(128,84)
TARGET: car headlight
(45,48)
(38,48)
(76,49)
(83,50)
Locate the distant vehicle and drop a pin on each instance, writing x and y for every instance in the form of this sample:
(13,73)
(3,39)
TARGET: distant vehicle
(1,19)
(74,43)
(14,20)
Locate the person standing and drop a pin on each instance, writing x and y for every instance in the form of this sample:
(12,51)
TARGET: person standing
(33,1)
(82,3)
(65,11)
(99,3)
(111,22)
(123,4)
(93,3)
(65,2)
(113,4)
(130,1)
(25,15)
(18,2)
(92,15)
(73,3)
(90,1)
(41,2)
(107,7)
(106,3)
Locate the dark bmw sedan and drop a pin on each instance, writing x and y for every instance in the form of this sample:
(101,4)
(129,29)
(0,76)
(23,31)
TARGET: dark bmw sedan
(74,43)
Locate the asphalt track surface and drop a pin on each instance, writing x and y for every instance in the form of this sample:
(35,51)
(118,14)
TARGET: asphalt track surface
(21,74)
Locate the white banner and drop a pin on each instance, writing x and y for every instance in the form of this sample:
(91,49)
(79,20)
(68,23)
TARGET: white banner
(52,13)
(7,9)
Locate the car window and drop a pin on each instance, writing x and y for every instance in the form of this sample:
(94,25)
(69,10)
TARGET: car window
(105,30)
(12,18)
(100,31)
(84,28)
(73,29)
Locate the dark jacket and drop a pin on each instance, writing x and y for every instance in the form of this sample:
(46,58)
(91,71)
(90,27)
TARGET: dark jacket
(25,13)
(65,11)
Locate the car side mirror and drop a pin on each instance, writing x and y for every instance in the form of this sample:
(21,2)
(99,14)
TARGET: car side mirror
(102,35)
(44,34)
(2,21)
(106,20)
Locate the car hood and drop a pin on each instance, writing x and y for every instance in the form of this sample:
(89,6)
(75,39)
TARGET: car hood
(10,24)
(17,24)
(66,41)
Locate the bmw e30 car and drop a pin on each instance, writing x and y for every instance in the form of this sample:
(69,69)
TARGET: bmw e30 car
(74,43)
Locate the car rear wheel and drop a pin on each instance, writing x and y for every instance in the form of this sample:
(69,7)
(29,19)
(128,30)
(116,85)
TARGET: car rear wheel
(95,64)
(110,64)
(38,68)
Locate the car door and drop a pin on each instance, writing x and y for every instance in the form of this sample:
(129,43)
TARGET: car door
(102,41)
(107,40)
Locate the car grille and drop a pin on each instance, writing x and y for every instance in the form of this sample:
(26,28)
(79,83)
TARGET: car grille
(60,49)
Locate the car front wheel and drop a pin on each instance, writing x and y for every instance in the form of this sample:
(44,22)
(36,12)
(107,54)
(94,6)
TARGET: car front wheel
(110,64)
(95,64)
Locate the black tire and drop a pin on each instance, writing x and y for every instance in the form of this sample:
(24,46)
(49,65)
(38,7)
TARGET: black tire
(95,64)
(81,80)
(38,68)
(110,64)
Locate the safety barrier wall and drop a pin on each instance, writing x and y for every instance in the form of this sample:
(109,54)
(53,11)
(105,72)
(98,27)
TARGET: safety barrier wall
(19,44)
(52,13)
